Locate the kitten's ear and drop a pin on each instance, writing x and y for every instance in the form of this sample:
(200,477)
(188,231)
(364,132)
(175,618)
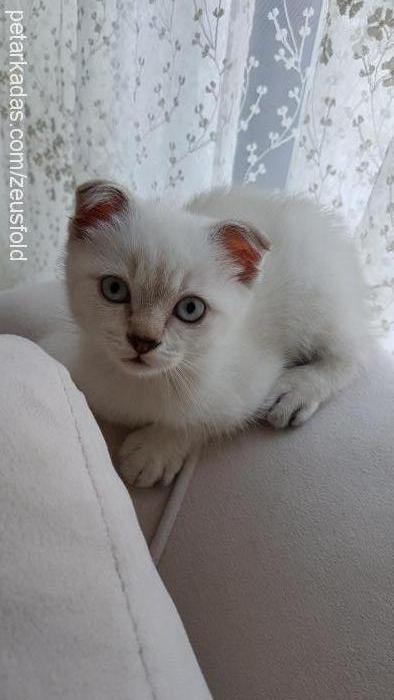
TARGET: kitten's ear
(245,245)
(96,203)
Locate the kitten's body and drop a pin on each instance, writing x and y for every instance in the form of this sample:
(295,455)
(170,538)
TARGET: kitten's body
(275,347)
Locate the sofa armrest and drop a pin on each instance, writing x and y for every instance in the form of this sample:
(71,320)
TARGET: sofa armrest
(83,613)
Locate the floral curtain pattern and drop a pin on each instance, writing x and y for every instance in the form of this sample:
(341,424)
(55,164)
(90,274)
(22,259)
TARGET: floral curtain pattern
(276,78)
(162,79)
(146,93)
(172,97)
(344,155)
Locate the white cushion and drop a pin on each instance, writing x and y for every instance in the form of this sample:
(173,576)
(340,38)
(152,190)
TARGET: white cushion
(83,613)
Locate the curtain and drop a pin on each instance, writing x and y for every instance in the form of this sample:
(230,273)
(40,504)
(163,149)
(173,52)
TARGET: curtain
(174,96)
(344,154)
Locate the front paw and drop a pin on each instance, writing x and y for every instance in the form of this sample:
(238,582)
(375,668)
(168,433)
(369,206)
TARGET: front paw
(290,404)
(152,454)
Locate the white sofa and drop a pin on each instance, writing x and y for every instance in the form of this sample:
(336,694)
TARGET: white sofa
(83,613)
(277,548)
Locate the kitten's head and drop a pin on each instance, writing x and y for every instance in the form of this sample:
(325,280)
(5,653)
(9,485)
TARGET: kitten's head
(157,288)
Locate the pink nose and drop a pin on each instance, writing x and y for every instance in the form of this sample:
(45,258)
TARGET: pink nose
(142,345)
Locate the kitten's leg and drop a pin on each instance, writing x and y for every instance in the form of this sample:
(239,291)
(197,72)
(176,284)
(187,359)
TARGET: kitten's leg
(300,390)
(153,454)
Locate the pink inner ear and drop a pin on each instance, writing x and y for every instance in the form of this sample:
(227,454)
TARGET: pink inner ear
(113,203)
(242,252)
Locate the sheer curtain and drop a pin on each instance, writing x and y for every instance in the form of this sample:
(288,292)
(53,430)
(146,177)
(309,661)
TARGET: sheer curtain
(174,96)
(344,154)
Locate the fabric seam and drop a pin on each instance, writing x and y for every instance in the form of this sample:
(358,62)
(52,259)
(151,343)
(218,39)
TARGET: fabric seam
(172,508)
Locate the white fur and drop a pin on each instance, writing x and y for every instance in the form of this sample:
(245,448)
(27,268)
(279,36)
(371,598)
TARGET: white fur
(275,349)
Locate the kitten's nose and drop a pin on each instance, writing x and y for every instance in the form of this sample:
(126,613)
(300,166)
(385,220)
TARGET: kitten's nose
(142,345)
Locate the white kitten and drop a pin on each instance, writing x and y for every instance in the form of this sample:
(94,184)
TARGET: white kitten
(194,323)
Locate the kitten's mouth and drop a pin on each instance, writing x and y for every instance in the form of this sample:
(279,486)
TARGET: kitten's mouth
(138,365)
(138,360)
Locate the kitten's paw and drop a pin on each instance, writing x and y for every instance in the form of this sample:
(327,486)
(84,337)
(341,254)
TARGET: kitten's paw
(150,455)
(291,404)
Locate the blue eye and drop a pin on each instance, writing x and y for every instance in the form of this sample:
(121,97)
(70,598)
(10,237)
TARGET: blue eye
(115,290)
(190,309)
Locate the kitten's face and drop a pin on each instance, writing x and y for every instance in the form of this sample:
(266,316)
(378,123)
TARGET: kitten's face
(155,289)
